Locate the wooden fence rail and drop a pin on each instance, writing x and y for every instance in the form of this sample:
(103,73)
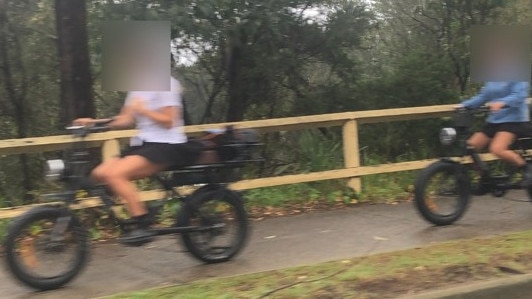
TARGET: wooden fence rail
(350,121)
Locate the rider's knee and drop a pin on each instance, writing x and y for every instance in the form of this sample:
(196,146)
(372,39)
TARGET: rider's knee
(109,175)
(473,145)
(97,174)
(103,174)
(497,149)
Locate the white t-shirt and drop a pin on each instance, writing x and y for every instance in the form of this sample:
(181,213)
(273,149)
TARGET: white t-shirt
(149,130)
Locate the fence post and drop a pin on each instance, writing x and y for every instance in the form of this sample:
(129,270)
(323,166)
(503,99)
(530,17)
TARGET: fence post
(351,152)
(110,149)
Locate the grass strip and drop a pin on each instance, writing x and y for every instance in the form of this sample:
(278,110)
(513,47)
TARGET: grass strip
(386,275)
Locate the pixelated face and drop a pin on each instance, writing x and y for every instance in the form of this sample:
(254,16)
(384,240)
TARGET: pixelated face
(500,53)
(136,56)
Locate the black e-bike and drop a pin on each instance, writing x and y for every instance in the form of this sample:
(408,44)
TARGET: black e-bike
(443,190)
(47,246)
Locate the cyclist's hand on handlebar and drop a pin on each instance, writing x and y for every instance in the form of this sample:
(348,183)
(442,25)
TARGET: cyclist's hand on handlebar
(86,122)
(83,121)
(496,106)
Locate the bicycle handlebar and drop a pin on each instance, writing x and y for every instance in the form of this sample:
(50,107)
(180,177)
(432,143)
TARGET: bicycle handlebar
(473,110)
(83,131)
(481,109)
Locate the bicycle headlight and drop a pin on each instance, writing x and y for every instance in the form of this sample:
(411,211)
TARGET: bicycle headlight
(54,169)
(447,136)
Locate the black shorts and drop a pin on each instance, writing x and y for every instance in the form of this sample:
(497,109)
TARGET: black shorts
(167,154)
(520,129)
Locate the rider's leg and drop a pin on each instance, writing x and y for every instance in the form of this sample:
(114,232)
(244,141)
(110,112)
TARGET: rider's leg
(500,147)
(97,174)
(119,174)
(119,178)
(478,141)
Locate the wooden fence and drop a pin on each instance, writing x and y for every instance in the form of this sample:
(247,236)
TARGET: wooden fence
(350,122)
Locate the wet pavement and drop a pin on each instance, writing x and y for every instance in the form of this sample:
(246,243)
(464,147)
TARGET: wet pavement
(284,242)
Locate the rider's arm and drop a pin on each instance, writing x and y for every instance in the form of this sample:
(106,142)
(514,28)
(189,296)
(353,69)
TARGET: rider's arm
(123,120)
(519,93)
(164,116)
(478,100)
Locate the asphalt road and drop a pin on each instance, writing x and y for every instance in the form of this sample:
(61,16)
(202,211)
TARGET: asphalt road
(284,242)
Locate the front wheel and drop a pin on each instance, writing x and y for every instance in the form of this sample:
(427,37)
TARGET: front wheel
(442,193)
(221,222)
(46,248)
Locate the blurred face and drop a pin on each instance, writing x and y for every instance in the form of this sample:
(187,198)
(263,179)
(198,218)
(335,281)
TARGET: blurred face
(136,56)
(500,53)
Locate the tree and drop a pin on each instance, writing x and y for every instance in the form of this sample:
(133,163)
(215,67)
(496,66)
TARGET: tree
(76,82)
(442,27)
(255,56)
(15,80)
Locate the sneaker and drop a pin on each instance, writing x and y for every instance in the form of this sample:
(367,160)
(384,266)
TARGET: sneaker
(136,237)
(141,234)
(527,176)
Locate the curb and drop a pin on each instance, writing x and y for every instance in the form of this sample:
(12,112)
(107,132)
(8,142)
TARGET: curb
(518,287)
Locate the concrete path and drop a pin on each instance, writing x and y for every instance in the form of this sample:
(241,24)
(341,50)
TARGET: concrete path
(284,242)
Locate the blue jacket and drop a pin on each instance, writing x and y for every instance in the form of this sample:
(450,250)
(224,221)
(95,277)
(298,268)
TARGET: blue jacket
(514,94)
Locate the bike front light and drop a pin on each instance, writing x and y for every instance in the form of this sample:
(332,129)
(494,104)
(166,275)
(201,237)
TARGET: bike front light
(447,136)
(54,169)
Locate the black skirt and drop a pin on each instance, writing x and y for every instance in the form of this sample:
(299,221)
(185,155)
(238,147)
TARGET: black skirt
(519,129)
(167,154)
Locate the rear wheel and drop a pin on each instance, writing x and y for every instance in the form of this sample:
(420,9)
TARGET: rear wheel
(223,224)
(442,193)
(46,248)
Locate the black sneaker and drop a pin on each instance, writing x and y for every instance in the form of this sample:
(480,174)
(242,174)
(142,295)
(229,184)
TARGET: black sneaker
(527,176)
(136,237)
(141,234)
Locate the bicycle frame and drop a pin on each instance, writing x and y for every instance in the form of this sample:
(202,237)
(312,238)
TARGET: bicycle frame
(77,172)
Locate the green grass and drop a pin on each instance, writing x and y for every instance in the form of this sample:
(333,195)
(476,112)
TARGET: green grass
(385,275)
(388,187)
(380,188)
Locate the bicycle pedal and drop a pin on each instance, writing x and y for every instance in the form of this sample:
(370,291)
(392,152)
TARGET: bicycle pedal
(129,221)
(154,209)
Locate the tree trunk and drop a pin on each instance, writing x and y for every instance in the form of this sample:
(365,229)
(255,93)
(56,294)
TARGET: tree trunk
(16,83)
(235,69)
(76,82)
(237,95)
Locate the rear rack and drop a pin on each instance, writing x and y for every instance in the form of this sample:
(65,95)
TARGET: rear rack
(225,171)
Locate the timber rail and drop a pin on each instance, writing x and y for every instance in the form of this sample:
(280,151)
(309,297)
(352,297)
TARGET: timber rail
(109,142)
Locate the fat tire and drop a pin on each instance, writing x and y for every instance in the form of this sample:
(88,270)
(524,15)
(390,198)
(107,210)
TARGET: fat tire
(188,212)
(46,283)
(529,193)
(463,186)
